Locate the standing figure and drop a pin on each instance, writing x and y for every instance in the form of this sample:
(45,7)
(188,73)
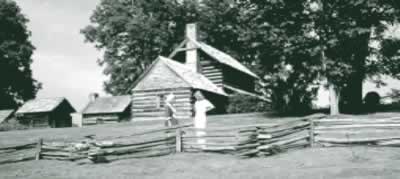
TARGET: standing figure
(170,111)
(201,106)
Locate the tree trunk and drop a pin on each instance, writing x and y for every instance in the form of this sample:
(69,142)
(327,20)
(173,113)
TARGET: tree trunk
(352,99)
(333,100)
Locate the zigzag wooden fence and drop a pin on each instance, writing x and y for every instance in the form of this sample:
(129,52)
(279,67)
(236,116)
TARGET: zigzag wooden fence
(244,141)
(345,132)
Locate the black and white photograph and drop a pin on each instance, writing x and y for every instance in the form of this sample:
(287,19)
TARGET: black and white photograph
(178,89)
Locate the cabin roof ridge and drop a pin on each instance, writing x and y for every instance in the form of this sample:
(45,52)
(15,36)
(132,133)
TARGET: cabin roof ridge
(222,57)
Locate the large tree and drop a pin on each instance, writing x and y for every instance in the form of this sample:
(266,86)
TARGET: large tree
(16,82)
(132,33)
(319,38)
(345,30)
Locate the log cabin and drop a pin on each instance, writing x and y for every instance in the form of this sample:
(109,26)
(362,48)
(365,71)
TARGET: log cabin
(105,110)
(203,67)
(46,112)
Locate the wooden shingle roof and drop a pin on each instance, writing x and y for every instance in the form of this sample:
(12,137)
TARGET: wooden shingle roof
(107,105)
(223,58)
(40,105)
(5,114)
(195,80)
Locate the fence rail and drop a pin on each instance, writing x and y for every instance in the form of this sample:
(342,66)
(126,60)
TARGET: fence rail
(243,141)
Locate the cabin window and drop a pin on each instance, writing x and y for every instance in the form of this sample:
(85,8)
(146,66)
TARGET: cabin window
(160,101)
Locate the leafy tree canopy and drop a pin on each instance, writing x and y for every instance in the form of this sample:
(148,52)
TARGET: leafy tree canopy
(16,82)
(318,39)
(132,33)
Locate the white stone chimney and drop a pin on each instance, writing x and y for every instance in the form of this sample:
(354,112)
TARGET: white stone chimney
(192,56)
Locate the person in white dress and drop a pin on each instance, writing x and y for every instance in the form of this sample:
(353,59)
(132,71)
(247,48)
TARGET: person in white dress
(201,107)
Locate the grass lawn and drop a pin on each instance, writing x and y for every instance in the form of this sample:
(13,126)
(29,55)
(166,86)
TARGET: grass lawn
(356,162)
(10,138)
(352,162)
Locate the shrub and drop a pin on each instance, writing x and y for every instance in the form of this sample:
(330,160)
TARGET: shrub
(239,103)
(12,124)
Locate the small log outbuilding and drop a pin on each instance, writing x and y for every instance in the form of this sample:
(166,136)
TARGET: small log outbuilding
(46,112)
(104,110)
(202,68)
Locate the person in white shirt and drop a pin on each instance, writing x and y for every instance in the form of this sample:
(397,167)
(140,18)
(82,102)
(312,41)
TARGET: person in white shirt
(170,111)
(201,107)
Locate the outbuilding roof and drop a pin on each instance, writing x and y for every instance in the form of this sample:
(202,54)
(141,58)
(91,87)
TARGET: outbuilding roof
(41,105)
(5,114)
(107,105)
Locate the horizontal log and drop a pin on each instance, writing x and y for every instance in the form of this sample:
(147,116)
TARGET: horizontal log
(7,151)
(141,144)
(207,143)
(247,141)
(394,142)
(358,131)
(160,90)
(208,136)
(157,93)
(72,158)
(327,144)
(248,153)
(181,108)
(218,148)
(57,154)
(130,150)
(284,127)
(154,153)
(162,116)
(177,98)
(212,129)
(353,140)
(284,137)
(205,148)
(358,120)
(206,71)
(283,142)
(358,126)
(163,129)
(295,146)
(19,147)
(214,75)
(283,133)
(248,146)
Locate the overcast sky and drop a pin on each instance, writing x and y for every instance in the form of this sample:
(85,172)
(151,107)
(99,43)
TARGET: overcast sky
(62,61)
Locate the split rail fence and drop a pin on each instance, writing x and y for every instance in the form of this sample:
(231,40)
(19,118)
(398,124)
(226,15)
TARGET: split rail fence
(243,141)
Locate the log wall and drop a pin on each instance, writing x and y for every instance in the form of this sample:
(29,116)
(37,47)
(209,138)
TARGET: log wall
(39,120)
(149,104)
(92,119)
(212,70)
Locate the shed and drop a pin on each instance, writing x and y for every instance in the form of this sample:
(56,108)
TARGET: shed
(5,115)
(107,110)
(46,112)
(203,68)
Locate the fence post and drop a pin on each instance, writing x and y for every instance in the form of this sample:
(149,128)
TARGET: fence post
(178,140)
(311,132)
(39,149)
